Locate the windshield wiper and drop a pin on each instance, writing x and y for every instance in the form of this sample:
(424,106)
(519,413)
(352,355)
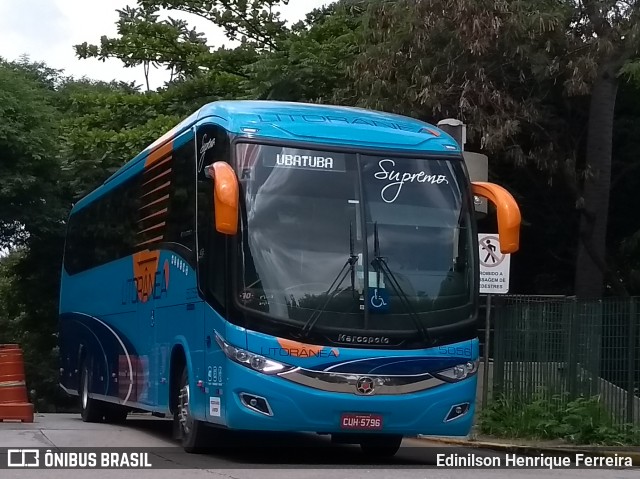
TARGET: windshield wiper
(334,288)
(380,263)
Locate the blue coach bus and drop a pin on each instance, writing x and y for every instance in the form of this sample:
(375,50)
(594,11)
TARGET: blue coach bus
(281,267)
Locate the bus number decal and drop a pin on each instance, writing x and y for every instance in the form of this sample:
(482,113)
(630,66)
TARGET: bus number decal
(455,351)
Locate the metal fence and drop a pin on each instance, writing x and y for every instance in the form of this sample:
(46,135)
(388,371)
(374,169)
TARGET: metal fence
(561,349)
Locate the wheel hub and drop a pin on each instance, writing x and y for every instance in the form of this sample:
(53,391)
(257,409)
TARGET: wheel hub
(183,408)
(85,391)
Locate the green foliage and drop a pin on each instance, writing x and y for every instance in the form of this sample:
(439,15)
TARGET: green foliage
(144,40)
(183,97)
(104,126)
(631,71)
(60,138)
(28,153)
(311,63)
(489,63)
(10,312)
(254,21)
(580,421)
(28,317)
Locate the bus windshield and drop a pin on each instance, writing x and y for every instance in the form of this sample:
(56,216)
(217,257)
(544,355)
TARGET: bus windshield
(326,235)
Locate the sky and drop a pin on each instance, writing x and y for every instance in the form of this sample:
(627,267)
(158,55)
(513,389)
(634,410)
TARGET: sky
(46,30)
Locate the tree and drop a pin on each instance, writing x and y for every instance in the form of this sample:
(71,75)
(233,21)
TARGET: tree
(605,35)
(311,63)
(29,169)
(31,216)
(146,40)
(104,125)
(516,72)
(143,40)
(256,22)
(482,61)
(59,139)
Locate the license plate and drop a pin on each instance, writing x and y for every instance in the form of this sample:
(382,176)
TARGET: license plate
(361,421)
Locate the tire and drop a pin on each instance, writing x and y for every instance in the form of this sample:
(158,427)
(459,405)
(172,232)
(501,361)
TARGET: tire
(381,446)
(91,410)
(191,432)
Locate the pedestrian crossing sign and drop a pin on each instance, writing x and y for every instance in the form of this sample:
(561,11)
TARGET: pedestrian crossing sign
(494,265)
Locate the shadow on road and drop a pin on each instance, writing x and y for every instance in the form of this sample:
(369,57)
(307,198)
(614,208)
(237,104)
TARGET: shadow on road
(261,449)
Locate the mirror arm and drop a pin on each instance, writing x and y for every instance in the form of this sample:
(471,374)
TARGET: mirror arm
(509,218)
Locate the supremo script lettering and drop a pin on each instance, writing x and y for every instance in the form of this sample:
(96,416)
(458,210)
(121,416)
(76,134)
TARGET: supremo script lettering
(397,179)
(207,144)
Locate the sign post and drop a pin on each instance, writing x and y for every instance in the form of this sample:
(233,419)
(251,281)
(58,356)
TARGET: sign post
(494,279)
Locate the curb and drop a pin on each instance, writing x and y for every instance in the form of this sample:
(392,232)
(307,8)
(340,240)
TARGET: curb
(531,450)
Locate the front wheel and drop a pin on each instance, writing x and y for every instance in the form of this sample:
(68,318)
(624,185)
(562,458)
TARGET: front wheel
(381,446)
(190,430)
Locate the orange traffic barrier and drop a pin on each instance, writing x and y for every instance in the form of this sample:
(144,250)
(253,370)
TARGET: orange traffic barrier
(14,404)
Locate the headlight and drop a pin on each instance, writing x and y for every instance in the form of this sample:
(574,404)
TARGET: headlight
(459,372)
(251,360)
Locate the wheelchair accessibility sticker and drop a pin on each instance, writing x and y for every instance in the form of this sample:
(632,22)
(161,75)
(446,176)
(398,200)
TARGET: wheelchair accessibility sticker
(379,300)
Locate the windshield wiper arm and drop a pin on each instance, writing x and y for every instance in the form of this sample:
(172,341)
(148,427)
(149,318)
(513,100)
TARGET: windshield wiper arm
(334,288)
(381,263)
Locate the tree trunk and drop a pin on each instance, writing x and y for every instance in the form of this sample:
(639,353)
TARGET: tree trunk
(591,267)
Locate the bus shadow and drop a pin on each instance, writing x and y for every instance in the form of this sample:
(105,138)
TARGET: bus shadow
(234,449)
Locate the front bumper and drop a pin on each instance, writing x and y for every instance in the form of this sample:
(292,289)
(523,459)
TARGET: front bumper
(294,407)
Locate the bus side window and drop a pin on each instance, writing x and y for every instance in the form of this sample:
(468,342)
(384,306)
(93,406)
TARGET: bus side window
(104,230)
(181,215)
(212,145)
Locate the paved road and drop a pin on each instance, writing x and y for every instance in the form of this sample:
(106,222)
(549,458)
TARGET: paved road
(263,456)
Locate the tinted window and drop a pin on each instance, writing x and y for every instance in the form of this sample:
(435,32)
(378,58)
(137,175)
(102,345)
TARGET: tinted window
(180,227)
(155,209)
(104,230)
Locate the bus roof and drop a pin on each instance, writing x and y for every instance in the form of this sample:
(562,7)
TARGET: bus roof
(313,123)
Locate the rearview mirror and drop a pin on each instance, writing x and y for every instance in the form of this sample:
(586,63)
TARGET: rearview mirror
(508,214)
(225,197)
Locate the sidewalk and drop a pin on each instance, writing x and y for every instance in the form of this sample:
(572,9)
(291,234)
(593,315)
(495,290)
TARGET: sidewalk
(533,447)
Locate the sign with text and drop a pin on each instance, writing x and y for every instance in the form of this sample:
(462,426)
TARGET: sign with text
(494,266)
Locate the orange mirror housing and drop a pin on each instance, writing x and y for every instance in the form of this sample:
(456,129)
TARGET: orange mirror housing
(508,214)
(225,197)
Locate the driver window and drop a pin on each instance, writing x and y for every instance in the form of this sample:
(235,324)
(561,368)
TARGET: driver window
(212,144)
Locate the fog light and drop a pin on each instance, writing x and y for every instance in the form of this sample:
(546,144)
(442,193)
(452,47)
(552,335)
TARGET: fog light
(256,403)
(457,411)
